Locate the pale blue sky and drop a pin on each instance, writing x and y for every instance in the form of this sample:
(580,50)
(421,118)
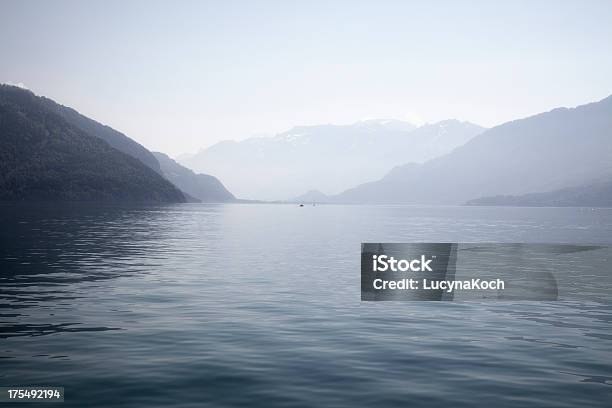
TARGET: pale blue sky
(178,76)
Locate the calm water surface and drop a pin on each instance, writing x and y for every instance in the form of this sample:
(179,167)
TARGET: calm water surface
(258,305)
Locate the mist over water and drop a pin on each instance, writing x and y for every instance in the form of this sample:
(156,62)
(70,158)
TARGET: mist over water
(231,305)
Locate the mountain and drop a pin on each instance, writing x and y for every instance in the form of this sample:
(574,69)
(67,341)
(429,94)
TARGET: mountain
(329,158)
(203,187)
(553,150)
(45,157)
(114,138)
(312,196)
(592,195)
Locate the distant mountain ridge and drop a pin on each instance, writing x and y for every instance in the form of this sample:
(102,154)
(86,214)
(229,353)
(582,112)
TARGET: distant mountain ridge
(592,195)
(329,158)
(312,196)
(45,156)
(552,150)
(202,187)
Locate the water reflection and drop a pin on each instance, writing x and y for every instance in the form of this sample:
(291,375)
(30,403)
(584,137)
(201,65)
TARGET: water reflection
(598,379)
(16,330)
(237,305)
(49,256)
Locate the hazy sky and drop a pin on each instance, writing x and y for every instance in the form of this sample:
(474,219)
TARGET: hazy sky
(177,76)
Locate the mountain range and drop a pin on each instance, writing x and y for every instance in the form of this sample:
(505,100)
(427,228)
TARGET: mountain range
(51,152)
(558,158)
(329,158)
(553,150)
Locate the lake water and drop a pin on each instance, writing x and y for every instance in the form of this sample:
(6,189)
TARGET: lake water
(259,305)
